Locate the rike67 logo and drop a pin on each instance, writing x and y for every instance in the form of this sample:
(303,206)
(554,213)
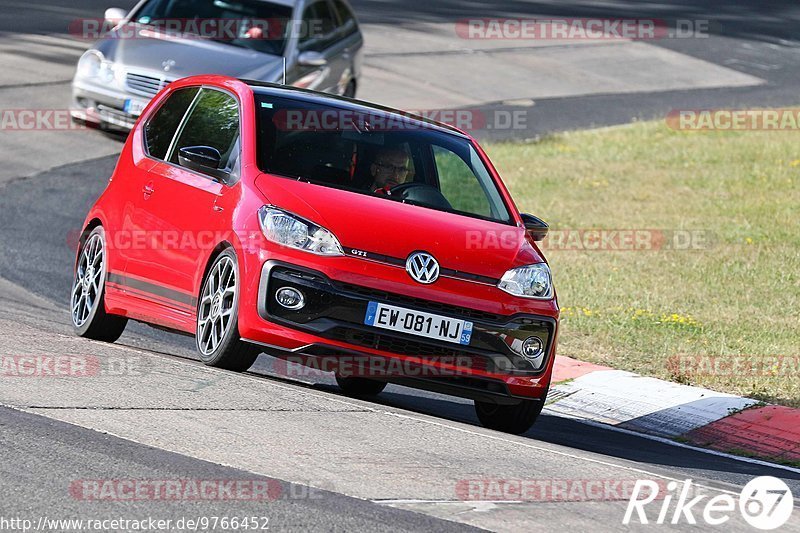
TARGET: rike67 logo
(766,503)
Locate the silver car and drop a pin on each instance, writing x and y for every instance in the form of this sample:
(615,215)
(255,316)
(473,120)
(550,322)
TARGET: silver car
(314,44)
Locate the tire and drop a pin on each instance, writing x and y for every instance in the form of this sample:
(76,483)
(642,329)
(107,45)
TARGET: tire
(516,419)
(217,334)
(360,387)
(87,297)
(350,90)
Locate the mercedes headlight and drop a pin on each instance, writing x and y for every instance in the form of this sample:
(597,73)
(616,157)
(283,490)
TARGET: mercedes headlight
(90,63)
(531,281)
(93,65)
(290,230)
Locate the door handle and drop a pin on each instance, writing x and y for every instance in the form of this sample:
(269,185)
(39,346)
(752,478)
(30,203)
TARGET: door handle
(148,189)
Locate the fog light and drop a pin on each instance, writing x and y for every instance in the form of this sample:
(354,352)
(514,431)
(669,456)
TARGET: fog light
(290,298)
(532,348)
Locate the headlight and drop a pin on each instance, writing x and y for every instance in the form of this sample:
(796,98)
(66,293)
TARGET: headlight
(532,281)
(290,230)
(93,64)
(90,63)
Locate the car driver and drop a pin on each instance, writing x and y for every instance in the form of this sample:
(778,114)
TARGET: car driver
(389,169)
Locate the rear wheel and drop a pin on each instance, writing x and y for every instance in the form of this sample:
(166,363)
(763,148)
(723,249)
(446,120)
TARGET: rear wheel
(515,419)
(87,299)
(353,386)
(218,340)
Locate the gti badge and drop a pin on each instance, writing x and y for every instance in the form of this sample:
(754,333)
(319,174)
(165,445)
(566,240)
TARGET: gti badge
(422,267)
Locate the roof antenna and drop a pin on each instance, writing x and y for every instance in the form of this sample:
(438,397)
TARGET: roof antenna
(284,70)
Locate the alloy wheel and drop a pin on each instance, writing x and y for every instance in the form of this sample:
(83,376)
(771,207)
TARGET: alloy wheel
(216,305)
(88,280)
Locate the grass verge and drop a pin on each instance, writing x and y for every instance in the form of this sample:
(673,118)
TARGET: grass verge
(722,313)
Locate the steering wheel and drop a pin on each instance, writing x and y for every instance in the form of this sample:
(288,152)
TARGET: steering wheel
(420,193)
(399,190)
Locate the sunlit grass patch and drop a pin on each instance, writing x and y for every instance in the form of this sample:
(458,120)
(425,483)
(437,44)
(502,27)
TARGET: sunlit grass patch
(736,293)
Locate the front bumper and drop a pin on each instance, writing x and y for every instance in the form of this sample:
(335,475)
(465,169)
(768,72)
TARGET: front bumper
(489,367)
(103,106)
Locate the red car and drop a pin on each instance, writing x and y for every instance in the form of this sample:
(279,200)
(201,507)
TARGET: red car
(267,219)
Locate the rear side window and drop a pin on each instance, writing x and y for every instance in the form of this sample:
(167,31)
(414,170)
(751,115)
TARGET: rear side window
(319,25)
(346,17)
(214,121)
(160,129)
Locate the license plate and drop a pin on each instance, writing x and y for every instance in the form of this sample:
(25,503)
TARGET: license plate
(134,107)
(418,323)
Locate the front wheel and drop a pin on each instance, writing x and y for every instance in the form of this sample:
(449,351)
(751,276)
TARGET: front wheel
(87,299)
(218,340)
(515,419)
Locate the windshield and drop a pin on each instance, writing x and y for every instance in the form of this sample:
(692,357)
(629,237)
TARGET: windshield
(254,24)
(370,153)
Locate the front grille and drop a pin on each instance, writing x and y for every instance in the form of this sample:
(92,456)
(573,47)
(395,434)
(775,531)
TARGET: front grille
(426,305)
(388,343)
(335,310)
(145,85)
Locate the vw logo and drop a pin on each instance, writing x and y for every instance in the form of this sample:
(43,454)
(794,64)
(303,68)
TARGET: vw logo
(168,64)
(422,267)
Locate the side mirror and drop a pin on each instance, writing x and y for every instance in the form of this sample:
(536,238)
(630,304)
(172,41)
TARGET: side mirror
(535,226)
(115,15)
(311,59)
(201,159)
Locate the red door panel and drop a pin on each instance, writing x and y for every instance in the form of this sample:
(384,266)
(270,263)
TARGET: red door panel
(184,227)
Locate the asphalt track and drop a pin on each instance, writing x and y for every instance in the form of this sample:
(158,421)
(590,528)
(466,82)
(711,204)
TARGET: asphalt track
(50,438)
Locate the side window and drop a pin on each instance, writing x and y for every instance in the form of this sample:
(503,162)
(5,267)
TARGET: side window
(346,18)
(459,184)
(160,129)
(319,25)
(214,122)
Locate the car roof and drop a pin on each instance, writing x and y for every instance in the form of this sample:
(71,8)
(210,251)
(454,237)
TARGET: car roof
(349,104)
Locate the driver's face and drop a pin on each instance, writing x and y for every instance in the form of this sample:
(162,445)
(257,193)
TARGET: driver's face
(390,168)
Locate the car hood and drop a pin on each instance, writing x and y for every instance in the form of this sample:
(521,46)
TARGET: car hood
(151,50)
(381,226)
